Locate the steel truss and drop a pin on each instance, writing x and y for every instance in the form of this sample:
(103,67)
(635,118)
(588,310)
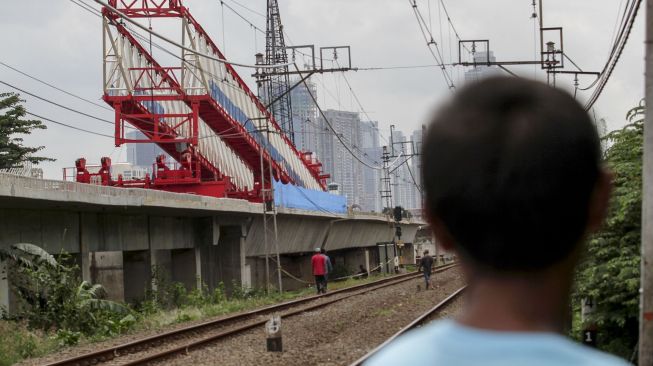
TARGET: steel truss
(201,113)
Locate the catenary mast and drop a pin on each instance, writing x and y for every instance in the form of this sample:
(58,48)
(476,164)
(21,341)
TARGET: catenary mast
(278,82)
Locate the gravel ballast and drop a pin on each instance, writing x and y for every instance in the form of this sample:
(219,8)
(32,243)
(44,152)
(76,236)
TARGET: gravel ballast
(337,334)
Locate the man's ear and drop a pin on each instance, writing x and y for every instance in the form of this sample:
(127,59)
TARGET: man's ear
(440,231)
(600,201)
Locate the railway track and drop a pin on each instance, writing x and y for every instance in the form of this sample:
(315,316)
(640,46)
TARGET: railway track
(138,352)
(421,320)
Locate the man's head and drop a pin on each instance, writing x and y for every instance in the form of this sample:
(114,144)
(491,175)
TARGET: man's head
(318,250)
(426,252)
(512,175)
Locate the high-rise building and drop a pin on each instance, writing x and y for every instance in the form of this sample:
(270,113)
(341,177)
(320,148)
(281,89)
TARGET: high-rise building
(416,167)
(304,117)
(338,160)
(370,198)
(142,155)
(401,180)
(480,71)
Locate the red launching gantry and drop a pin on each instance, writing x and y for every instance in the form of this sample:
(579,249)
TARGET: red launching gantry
(201,113)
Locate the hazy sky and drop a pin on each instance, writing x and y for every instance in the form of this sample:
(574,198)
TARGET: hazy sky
(60,43)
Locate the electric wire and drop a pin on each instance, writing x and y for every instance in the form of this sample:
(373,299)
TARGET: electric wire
(222,135)
(57,104)
(86,7)
(338,136)
(55,87)
(68,126)
(616,52)
(360,105)
(437,55)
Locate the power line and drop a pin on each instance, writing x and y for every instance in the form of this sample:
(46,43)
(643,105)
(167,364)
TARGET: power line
(615,54)
(86,7)
(68,126)
(419,188)
(326,120)
(57,104)
(249,9)
(54,87)
(430,41)
(359,102)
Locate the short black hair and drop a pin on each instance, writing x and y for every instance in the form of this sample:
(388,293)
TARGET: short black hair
(509,168)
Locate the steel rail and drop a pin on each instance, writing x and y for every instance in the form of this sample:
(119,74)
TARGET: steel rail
(122,350)
(414,324)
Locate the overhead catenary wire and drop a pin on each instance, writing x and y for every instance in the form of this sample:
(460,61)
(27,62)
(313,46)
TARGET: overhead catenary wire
(428,38)
(337,135)
(365,68)
(616,52)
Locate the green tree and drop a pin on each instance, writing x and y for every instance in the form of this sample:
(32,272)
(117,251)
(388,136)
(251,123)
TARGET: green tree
(610,272)
(12,151)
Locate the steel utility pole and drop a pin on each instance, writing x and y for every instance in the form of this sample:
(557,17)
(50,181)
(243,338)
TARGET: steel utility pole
(646,300)
(278,81)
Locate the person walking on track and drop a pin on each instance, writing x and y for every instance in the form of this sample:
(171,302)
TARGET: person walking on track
(319,271)
(514,185)
(328,268)
(426,264)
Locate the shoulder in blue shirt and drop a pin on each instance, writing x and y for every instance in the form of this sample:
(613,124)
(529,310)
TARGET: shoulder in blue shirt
(447,343)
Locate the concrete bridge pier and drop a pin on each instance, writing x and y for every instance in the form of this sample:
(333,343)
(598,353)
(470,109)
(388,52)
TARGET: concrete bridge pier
(222,259)
(4,286)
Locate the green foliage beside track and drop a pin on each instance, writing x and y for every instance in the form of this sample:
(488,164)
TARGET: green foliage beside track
(610,272)
(13,153)
(58,309)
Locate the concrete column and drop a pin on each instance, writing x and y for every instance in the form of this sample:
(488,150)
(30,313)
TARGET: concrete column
(367,261)
(84,255)
(198,268)
(107,270)
(4,286)
(136,274)
(216,231)
(85,264)
(245,271)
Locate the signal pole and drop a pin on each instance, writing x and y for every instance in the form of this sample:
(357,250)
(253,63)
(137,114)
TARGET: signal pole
(646,300)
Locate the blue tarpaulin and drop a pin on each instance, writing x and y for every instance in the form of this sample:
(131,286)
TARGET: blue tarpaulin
(288,195)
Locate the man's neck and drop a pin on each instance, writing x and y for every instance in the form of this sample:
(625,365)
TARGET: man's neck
(518,303)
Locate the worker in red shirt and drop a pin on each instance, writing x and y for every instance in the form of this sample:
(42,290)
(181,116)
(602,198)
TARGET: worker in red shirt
(319,271)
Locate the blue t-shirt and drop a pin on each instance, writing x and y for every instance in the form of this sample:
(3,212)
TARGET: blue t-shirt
(448,343)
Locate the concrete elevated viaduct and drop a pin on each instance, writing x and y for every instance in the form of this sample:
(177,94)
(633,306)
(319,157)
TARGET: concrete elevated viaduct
(119,236)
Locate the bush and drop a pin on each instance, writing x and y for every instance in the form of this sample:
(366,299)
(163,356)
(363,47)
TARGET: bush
(610,272)
(53,297)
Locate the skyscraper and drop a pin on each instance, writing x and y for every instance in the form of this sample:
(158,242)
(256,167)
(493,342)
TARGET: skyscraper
(372,151)
(416,167)
(304,117)
(336,159)
(142,155)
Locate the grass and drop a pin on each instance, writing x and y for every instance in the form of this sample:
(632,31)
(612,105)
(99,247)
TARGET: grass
(17,342)
(162,318)
(384,312)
